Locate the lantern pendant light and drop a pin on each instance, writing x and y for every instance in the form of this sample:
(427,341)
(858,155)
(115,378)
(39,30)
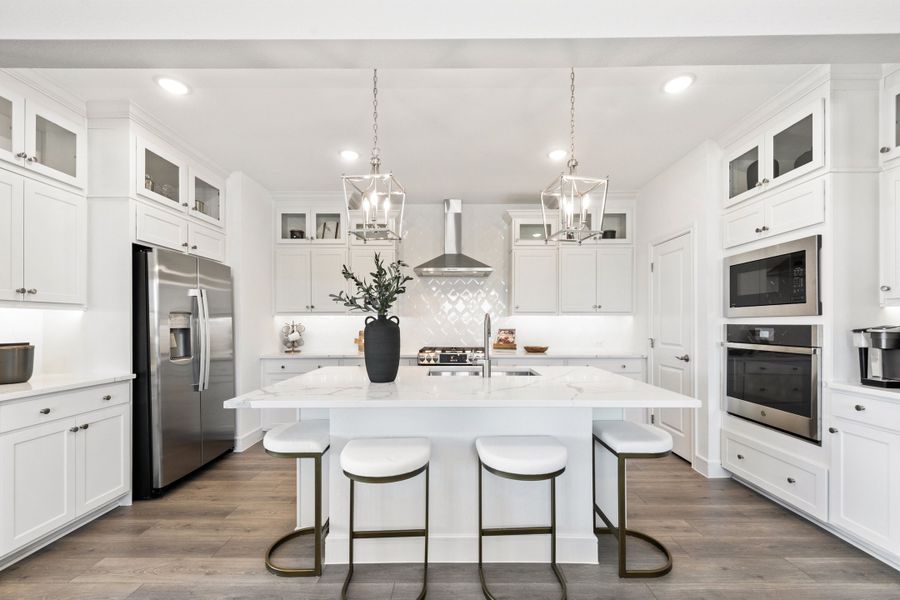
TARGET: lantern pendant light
(572,206)
(376,194)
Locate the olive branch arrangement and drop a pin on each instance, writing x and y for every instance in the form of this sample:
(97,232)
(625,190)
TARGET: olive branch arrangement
(378,295)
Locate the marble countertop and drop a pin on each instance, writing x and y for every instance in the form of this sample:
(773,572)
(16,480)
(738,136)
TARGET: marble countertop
(520,353)
(348,387)
(49,384)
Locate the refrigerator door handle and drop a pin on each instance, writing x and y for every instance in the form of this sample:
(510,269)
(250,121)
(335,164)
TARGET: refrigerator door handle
(206,356)
(201,320)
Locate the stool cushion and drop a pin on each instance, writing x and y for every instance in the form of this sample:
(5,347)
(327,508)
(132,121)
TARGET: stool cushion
(522,454)
(303,437)
(385,457)
(625,437)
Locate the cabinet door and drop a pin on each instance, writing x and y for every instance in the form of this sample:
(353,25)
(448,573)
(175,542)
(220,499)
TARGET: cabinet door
(206,196)
(743,225)
(160,228)
(55,244)
(798,207)
(890,119)
(56,146)
(578,280)
(744,171)
(865,482)
(330,226)
(615,280)
(206,242)
(12,127)
(889,226)
(11,226)
(795,144)
(531,231)
(362,260)
(37,482)
(535,281)
(161,175)
(292,283)
(102,457)
(325,265)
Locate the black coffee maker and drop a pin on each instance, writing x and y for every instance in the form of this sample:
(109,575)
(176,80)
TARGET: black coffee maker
(879,355)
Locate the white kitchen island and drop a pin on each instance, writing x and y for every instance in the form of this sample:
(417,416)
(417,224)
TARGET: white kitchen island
(452,411)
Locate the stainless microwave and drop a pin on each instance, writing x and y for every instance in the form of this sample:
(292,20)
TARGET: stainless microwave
(776,281)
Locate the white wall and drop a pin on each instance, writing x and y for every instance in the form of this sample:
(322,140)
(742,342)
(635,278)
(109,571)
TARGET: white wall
(250,238)
(55,334)
(684,197)
(451,310)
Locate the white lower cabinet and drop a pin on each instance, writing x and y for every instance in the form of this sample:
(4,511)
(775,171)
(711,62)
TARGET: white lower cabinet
(534,281)
(56,466)
(865,476)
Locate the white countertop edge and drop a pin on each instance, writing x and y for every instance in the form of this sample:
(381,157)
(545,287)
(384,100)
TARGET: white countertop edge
(867,390)
(51,384)
(498,354)
(468,404)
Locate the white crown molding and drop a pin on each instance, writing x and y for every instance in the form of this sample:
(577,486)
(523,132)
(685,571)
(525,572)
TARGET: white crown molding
(46,86)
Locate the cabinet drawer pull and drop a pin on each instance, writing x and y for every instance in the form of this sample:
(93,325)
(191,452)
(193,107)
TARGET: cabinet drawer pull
(832,430)
(73,429)
(859,408)
(740,457)
(107,398)
(86,425)
(791,480)
(45,411)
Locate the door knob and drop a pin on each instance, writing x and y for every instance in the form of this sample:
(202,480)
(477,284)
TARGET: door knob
(684,357)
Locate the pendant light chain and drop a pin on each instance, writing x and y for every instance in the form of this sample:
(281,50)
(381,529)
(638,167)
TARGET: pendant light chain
(572,162)
(376,159)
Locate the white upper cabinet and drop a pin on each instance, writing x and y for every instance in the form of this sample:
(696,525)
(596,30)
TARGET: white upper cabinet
(325,268)
(303,225)
(206,196)
(161,175)
(596,280)
(787,147)
(362,259)
(615,280)
(889,222)
(535,281)
(800,206)
(890,119)
(305,278)
(206,242)
(11,248)
(292,283)
(12,127)
(55,146)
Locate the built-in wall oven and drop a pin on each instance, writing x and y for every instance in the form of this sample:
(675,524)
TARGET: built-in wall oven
(776,281)
(772,376)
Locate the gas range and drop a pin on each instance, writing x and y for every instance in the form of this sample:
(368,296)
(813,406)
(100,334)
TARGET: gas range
(450,355)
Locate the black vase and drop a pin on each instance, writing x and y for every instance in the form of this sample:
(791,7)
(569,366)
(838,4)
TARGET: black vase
(382,348)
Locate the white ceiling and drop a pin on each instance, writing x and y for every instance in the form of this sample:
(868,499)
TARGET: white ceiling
(479,134)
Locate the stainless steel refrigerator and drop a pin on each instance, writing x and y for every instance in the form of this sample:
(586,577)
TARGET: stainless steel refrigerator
(184,366)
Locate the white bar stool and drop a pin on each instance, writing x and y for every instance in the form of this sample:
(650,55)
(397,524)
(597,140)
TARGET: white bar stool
(386,460)
(626,440)
(522,458)
(304,439)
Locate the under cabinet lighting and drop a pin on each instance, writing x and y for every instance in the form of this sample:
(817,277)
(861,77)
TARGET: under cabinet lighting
(676,85)
(173,86)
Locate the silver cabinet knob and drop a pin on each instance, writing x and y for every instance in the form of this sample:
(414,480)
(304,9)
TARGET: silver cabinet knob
(20,290)
(21,155)
(184,204)
(765,181)
(740,457)
(883,150)
(73,429)
(107,398)
(859,408)
(313,306)
(791,480)
(31,291)
(282,366)
(885,288)
(758,184)
(32,159)
(832,430)
(44,411)
(86,425)
(194,247)
(184,244)
(684,358)
(758,230)
(307,307)
(765,228)
(624,367)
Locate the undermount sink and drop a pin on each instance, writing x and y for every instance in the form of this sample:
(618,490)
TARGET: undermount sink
(477,373)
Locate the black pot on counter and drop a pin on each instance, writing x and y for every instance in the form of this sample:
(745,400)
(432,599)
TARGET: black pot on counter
(382,348)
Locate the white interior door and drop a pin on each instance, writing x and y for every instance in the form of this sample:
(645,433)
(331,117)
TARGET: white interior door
(672,326)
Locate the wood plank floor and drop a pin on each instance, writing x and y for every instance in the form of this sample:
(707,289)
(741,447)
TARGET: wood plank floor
(205,540)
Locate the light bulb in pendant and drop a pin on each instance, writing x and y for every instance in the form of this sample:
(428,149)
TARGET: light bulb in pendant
(585,202)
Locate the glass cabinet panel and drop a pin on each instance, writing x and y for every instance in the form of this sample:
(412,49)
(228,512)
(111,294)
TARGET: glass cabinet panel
(792,147)
(207,199)
(293,226)
(743,172)
(55,146)
(161,176)
(6,124)
(897,120)
(615,226)
(532,232)
(328,226)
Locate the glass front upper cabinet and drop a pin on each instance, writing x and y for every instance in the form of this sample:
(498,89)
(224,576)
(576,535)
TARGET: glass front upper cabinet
(54,145)
(12,127)
(6,125)
(890,147)
(616,226)
(159,176)
(207,197)
(743,173)
(309,225)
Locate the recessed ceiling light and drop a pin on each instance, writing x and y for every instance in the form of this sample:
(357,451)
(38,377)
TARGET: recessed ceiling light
(173,86)
(676,85)
(349,155)
(557,155)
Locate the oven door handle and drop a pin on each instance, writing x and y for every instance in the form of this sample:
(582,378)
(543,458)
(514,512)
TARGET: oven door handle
(768,348)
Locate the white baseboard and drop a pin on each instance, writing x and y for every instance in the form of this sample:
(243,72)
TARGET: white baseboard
(248,440)
(570,549)
(711,469)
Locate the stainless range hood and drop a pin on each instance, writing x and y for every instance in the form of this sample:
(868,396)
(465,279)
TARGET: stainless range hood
(453,263)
